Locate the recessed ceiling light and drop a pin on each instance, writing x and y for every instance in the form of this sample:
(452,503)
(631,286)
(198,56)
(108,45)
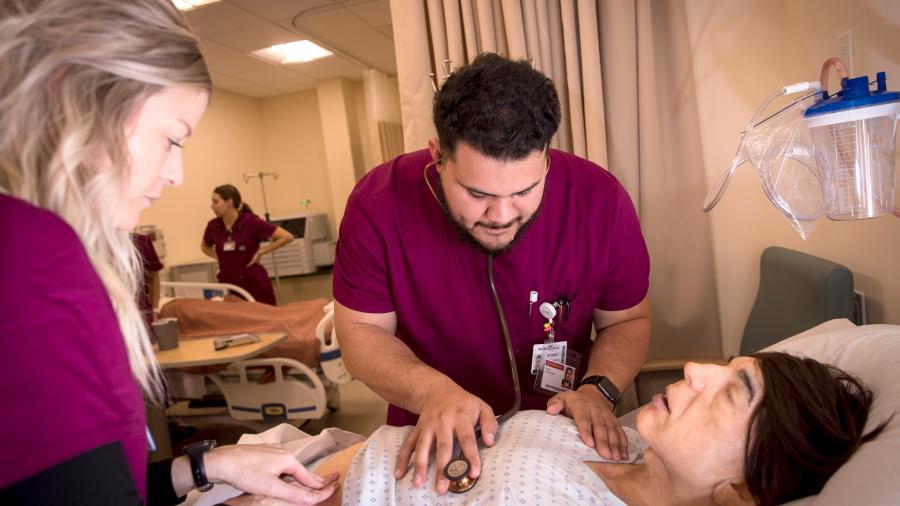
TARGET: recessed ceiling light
(186,5)
(293,52)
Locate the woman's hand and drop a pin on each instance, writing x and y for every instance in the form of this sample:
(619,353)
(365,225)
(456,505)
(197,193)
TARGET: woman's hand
(257,469)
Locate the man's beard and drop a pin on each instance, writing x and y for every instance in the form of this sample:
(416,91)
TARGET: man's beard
(466,236)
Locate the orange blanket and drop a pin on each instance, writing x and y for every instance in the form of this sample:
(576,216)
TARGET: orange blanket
(205,318)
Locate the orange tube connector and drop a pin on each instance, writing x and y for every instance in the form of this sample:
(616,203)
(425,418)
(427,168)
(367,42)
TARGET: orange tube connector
(838,64)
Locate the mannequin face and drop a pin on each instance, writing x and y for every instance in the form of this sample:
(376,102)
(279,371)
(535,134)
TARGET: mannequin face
(699,428)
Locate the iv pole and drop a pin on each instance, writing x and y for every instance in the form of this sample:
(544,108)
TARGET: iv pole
(262,185)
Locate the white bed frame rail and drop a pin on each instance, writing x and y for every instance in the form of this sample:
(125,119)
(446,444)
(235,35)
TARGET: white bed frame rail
(224,287)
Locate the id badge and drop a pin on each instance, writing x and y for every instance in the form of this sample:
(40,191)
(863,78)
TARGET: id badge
(228,246)
(547,351)
(557,377)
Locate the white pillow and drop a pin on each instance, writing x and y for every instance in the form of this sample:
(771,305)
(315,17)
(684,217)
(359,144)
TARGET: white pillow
(871,353)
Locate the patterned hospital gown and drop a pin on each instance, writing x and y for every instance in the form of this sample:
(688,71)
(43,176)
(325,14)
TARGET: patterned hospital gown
(538,459)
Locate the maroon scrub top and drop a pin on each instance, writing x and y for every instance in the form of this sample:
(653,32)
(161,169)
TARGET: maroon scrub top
(151,263)
(398,252)
(247,232)
(67,386)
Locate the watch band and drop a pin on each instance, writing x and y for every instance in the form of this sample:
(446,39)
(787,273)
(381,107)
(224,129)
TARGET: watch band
(195,453)
(605,386)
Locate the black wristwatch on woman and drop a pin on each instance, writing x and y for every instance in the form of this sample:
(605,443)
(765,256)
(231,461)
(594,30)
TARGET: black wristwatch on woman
(195,452)
(606,387)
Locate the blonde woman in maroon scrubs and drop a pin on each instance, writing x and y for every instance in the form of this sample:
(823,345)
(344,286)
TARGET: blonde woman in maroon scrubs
(97,99)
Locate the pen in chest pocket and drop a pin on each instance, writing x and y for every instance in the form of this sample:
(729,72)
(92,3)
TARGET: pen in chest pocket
(532,298)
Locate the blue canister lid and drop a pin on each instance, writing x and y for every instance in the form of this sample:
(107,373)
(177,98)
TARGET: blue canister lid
(854,93)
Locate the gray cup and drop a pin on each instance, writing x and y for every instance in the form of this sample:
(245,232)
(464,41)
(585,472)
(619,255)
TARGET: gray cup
(166,331)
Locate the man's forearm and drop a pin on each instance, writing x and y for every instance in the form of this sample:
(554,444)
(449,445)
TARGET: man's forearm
(384,363)
(620,351)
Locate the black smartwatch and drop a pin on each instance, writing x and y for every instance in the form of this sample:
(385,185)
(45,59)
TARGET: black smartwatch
(195,452)
(606,387)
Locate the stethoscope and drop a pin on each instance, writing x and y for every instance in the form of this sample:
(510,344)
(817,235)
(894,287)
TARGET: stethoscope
(457,470)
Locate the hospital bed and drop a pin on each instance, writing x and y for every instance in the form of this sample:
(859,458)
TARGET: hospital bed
(870,352)
(297,380)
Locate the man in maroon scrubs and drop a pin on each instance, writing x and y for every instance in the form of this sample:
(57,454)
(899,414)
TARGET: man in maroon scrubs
(415,310)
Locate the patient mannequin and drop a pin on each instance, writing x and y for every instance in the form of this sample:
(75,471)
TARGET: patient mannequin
(764,429)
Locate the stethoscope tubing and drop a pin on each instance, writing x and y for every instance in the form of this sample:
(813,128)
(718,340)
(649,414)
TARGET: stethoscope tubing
(457,469)
(509,349)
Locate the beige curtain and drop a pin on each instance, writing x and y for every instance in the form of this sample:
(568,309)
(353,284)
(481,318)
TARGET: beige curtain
(655,150)
(559,37)
(383,113)
(636,114)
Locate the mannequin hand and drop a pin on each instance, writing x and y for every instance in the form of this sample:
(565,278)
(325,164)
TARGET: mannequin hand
(597,425)
(255,259)
(446,415)
(257,469)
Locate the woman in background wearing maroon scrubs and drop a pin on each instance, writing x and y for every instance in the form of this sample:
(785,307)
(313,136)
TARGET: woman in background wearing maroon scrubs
(97,98)
(148,294)
(233,238)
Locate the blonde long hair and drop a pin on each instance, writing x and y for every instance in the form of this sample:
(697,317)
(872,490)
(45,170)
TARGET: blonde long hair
(71,74)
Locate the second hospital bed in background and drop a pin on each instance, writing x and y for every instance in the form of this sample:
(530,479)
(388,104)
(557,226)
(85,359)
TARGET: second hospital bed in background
(296,380)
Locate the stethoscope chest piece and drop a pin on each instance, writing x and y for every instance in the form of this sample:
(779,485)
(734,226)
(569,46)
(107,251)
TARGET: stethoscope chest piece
(457,471)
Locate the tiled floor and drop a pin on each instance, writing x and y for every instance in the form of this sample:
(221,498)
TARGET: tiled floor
(361,411)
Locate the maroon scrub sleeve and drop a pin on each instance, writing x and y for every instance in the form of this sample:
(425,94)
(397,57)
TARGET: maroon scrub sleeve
(628,278)
(360,274)
(259,229)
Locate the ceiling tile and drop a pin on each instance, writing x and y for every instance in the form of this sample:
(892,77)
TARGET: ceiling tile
(343,31)
(242,87)
(255,37)
(273,10)
(359,31)
(387,30)
(296,88)
(383,58)
(221,17)
(330,67)
(375,12)
(335,24)
(224,60)
(278,77)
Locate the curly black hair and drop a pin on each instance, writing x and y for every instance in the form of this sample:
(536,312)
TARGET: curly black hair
(503,108)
